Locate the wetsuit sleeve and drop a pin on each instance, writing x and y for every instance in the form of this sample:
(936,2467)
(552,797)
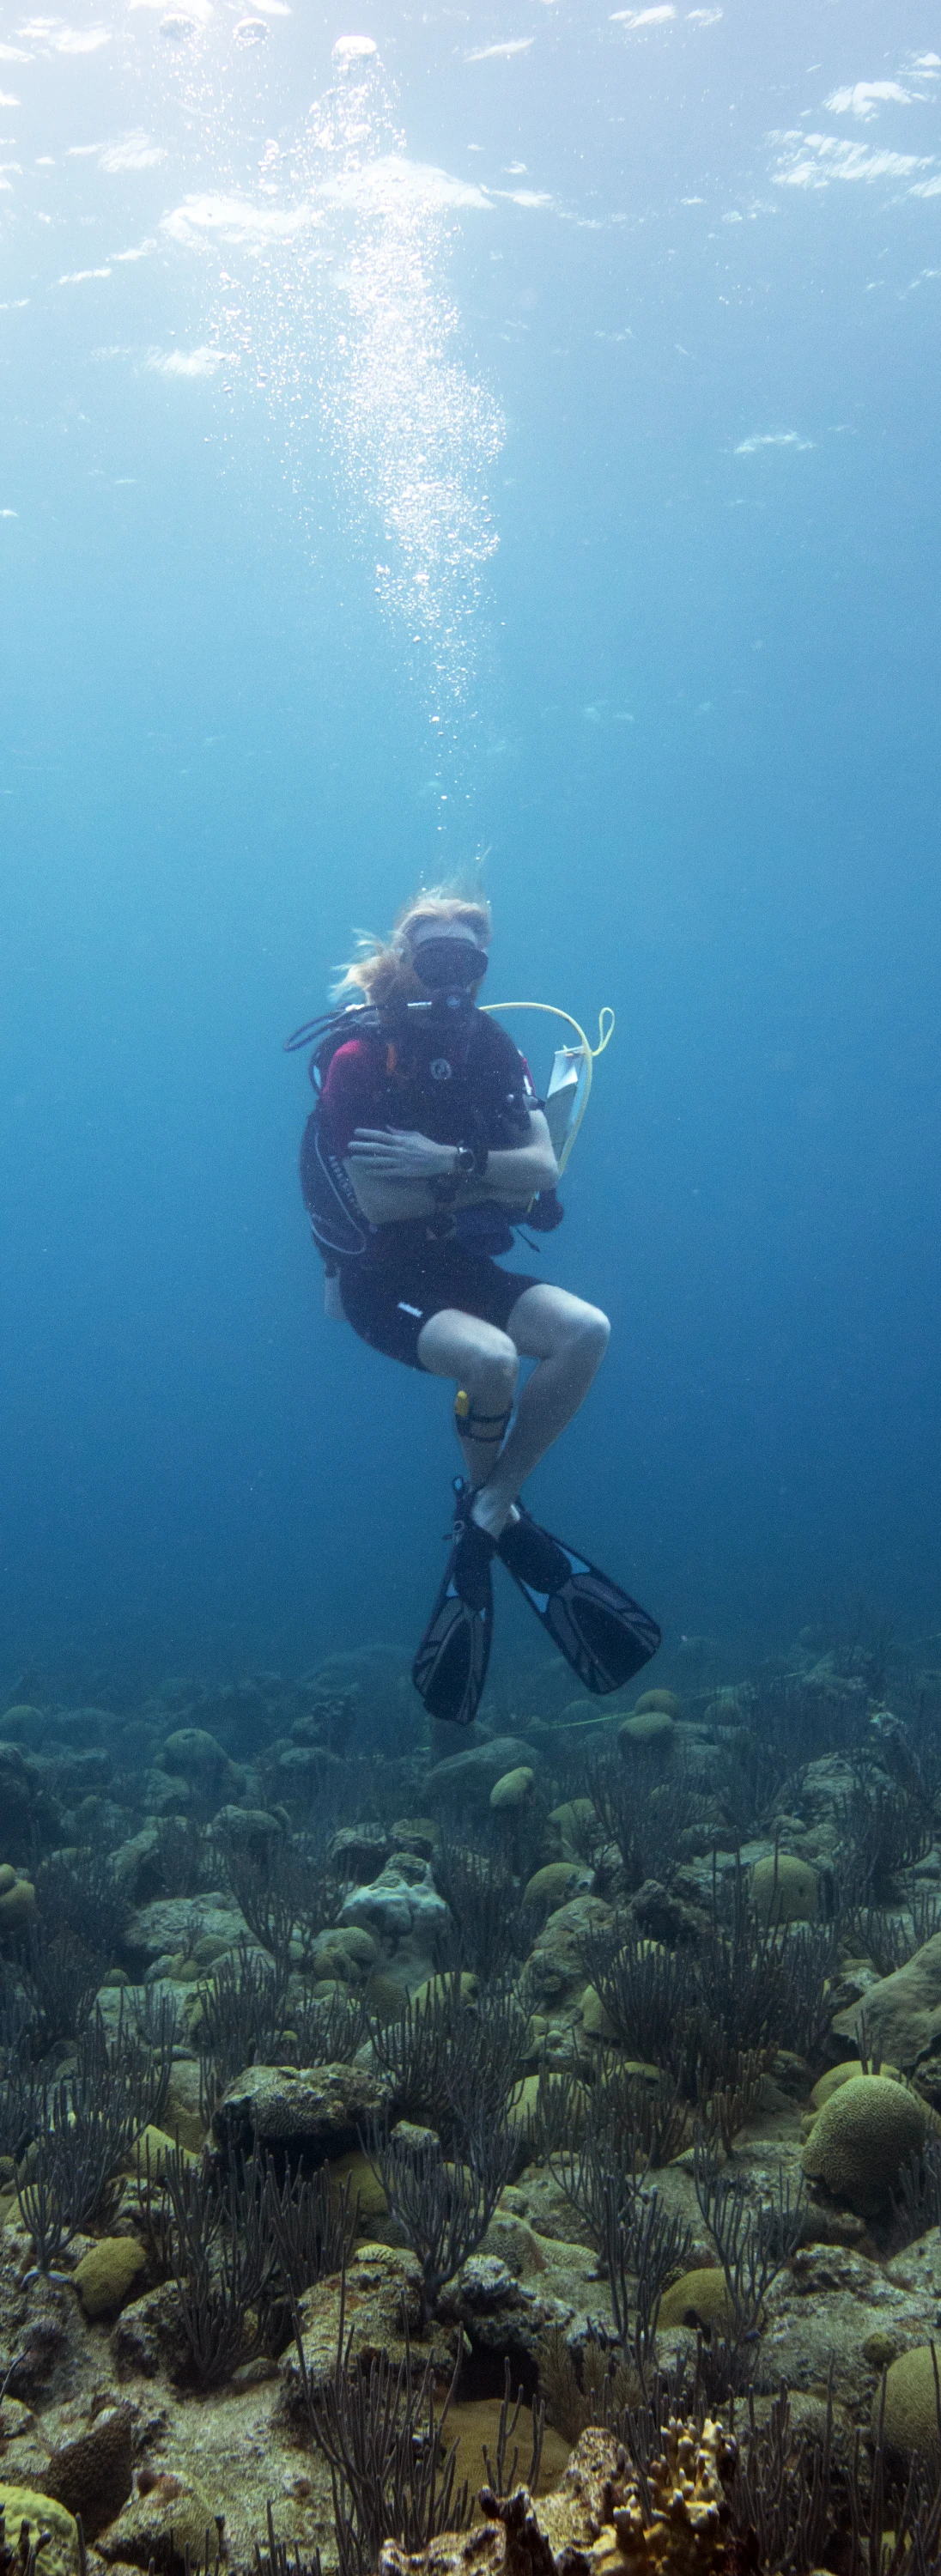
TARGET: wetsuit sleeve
(509,1063)
(350,1096)
(511,1089)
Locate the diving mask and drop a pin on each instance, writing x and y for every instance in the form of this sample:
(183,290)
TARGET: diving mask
(448,965)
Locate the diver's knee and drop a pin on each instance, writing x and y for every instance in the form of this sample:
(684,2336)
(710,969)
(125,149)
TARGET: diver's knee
(594,1334)
(504,1370)
(495,1366)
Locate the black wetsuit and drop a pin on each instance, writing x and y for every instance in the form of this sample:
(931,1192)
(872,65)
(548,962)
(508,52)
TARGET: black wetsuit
(459,1083)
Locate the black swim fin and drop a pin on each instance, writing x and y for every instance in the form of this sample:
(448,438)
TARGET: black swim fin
(450,1668)
(603,1634)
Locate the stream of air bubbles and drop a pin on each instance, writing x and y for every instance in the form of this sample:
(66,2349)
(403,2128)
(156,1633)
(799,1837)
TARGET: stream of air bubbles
(329,297)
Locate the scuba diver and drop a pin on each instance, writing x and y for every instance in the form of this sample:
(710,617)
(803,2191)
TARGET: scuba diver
(426,1148)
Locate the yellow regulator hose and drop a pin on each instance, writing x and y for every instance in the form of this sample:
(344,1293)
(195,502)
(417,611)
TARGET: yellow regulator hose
(584,1048)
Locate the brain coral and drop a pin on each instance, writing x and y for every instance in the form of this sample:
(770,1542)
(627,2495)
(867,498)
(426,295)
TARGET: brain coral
(699,2298)
(594,2018)
(650,1727)
(514,1788)
(912,2406)
(107,2273)
(194,1754)
(845,2073)
(553,1884)
(784,1889)
(17,1905)
(861,2137)
(60,2554)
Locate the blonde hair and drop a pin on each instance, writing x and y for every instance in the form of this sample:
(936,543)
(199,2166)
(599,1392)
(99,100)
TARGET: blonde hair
(382,969)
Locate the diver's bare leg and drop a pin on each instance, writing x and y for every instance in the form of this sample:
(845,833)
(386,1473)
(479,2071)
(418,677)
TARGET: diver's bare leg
(485,1362)
(568,1339)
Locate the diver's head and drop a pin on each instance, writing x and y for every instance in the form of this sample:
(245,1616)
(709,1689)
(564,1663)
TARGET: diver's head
(448,955)
(439,945)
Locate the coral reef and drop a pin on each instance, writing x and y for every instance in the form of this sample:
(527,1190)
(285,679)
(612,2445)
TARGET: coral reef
(336,2076)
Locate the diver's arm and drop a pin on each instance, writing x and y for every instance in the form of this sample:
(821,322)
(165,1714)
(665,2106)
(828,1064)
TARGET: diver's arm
(512,1176)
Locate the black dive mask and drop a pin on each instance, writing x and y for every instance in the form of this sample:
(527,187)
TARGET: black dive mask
(448,965)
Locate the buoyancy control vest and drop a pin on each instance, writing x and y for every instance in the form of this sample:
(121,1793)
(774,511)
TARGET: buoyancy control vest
(442,1069)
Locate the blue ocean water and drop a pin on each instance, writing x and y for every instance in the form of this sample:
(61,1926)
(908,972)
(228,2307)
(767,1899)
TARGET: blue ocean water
(499,439)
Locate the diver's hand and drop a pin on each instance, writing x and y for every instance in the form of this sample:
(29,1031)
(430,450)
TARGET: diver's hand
(396,1154)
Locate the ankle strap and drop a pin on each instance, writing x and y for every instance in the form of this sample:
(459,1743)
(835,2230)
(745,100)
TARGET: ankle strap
(483,1427)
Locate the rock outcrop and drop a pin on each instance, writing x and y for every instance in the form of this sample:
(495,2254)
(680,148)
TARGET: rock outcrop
(903,2011)
(308,2112)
